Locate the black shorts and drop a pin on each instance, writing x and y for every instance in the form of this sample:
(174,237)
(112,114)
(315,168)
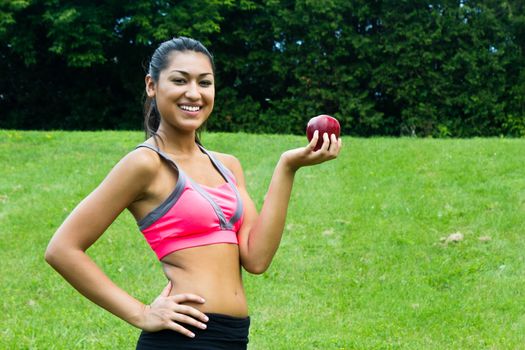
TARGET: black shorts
(222,332)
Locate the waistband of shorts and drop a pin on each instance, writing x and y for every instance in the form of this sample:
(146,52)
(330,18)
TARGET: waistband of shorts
(222,332)
(225,317)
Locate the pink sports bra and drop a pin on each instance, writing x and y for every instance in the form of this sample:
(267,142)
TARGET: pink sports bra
(193,215)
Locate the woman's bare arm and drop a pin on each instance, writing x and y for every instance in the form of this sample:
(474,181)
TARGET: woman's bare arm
(66,251)
(261,234)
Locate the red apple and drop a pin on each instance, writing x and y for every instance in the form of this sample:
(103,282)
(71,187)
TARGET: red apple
(323,123)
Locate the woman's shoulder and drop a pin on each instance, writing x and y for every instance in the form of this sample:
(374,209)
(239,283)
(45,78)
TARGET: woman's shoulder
(228,160)
(141,161)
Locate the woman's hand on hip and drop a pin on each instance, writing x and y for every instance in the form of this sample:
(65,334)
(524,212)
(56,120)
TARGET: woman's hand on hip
(305,156)
(168,312)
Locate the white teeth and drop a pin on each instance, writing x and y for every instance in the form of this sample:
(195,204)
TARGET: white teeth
(190,108)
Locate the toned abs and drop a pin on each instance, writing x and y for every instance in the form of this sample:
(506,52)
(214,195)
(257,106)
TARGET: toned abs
(212,272)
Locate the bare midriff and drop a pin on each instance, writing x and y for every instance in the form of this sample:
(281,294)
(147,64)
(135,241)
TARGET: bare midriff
(212,272)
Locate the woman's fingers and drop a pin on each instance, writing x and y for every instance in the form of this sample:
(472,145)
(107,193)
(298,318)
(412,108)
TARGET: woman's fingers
(179,329)
(313,141)
(183,318)
(326,142)
(306,156)
(330,143)
(187,297)
(190,311)
(335,145)
(330,147)
(187,314)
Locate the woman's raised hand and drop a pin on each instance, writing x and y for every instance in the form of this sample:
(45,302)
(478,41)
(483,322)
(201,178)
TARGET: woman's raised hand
(167,312)
(305,156)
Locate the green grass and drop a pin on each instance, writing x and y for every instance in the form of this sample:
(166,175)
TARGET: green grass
(361,264)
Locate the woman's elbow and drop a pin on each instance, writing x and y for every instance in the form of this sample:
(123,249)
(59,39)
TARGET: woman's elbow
(51,254)
(54,254)
(256,268)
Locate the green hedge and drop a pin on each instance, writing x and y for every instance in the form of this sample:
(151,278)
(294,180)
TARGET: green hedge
(444,68)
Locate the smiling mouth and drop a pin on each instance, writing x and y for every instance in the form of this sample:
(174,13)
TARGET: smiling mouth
(190,108)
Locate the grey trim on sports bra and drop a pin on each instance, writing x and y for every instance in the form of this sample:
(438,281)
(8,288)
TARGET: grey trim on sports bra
(162,209)
(224,171)
(174,196)
(218,211)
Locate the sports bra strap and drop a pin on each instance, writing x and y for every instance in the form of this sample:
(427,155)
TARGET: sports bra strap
(161,154)
(224,171)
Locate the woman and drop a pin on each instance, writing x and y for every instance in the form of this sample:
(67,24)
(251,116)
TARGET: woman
(193,209)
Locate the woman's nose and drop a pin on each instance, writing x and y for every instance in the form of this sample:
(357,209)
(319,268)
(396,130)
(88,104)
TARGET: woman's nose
(193,91)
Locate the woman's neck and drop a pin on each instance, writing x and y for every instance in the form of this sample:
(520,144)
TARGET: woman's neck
(177,142)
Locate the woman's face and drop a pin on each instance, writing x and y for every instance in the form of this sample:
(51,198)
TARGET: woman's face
(185,92)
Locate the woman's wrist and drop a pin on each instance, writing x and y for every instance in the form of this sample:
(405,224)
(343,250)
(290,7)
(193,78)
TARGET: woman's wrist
(287,164)
(139,318)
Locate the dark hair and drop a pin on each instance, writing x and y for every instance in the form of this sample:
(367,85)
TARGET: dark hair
(159,61)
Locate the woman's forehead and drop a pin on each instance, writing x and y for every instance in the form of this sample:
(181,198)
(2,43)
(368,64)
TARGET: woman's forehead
(189,61)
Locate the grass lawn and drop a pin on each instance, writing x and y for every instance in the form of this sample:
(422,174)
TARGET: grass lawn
(362,264)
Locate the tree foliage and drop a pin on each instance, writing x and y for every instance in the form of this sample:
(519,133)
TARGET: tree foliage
(432,68)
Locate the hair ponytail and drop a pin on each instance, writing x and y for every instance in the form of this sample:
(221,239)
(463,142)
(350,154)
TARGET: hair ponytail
(151,117)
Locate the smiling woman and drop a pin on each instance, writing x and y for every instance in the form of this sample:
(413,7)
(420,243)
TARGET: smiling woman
(177,76)
(184,92)
(193,209)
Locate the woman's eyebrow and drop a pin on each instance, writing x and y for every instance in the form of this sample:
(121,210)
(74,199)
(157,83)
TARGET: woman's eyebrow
(187,74)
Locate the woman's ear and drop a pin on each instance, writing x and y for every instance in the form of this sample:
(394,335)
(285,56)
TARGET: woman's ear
(150,86)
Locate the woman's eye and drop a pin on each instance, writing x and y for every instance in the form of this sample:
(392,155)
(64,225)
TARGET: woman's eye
(179,81)
(206,83)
